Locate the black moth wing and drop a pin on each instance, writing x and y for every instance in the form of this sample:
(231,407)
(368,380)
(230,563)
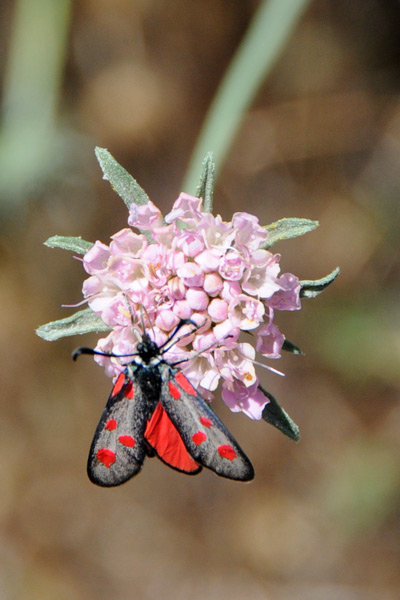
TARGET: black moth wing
(207,440)
(118,448)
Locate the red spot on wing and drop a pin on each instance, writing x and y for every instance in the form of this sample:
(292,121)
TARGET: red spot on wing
(205,421)
(226,451)
(129,390)
(199,438)
(106,456)
(185,384)
(126,440)
(174,391)
(111,424)
(118,384)
(164,438)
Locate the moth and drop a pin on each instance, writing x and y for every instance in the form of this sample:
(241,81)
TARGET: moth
(153,410)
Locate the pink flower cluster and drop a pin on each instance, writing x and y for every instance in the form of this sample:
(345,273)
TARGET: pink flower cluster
(199,267)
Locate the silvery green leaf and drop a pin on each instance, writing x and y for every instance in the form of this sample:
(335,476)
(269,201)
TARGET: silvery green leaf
(287,228)
(275,415)
(205,189)
(84,321)
(122,182)
(76,244)
(310,288)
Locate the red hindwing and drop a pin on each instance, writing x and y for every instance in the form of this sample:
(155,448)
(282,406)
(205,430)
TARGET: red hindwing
(164,438)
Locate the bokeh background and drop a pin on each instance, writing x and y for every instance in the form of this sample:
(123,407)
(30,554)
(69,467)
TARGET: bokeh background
(320,140)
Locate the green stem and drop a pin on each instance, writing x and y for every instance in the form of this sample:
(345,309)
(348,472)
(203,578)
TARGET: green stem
(267,35)
(32,89)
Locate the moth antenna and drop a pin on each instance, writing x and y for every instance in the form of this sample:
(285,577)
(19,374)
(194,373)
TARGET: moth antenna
(181,323)
(201,352)
(92,352)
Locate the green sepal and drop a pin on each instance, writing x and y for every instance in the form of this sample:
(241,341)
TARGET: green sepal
(289,346)
(287,228)
(84,321)
(121,181)
(311,288)
(205,189)
(275,415)
(75,244)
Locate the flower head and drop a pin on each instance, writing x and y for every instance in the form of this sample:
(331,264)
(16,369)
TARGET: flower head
(216,273)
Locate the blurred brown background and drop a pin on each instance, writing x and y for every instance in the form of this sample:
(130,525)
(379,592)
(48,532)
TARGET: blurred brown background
(322,141)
